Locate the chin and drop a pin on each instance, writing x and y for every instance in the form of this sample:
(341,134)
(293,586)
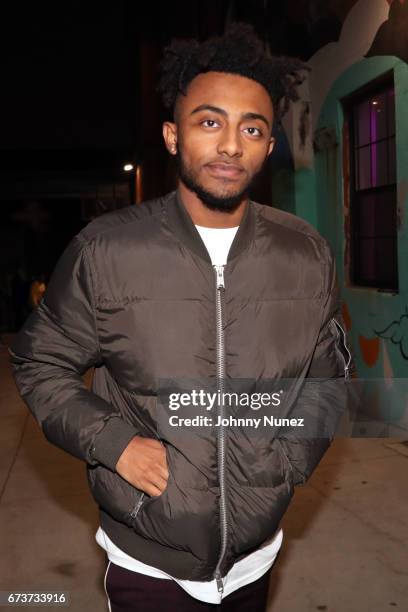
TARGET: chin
(224,191)
(221,195)
(222,202)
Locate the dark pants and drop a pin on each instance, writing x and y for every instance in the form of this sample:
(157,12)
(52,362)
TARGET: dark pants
(133,592)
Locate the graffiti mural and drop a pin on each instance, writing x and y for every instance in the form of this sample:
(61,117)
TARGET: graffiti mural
(397,332)
(369,349)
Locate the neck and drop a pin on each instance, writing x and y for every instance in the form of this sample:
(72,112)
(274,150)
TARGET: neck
(202,215)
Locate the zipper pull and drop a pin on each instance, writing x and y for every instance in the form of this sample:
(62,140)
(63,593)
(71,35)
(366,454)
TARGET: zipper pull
(136,509)
(220,585)
(220,276)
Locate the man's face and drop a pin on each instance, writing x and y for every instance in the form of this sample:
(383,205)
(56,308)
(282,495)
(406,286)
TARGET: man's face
(221,137)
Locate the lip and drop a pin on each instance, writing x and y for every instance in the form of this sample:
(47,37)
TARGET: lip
(225,170)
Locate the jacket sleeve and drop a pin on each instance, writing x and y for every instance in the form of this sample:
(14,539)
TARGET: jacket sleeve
(325,394)
(55,346)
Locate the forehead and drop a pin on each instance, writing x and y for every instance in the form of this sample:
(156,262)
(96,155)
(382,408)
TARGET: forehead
(232,92)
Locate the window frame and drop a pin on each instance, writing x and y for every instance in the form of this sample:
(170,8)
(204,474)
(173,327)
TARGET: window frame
(375,87)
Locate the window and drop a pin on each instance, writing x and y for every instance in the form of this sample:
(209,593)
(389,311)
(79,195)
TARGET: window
(373,194)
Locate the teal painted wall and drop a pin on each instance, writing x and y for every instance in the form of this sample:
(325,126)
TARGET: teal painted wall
(319,199)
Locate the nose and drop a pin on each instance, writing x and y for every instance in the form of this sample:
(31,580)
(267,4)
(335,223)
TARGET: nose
(230,142)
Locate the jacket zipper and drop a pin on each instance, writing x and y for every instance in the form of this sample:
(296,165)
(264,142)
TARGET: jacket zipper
(339,330)
(136,509)
(220,284)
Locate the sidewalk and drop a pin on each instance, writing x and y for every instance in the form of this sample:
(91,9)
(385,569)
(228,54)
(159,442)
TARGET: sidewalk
(345,545)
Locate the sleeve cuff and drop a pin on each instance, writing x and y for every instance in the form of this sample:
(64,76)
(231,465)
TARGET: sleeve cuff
(110,443)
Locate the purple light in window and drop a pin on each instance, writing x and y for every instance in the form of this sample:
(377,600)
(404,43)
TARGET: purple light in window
(373,138)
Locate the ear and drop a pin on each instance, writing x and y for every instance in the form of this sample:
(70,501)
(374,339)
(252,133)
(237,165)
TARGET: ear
(271,145)
(170,136)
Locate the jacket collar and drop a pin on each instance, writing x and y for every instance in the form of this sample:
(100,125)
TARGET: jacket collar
(182,225)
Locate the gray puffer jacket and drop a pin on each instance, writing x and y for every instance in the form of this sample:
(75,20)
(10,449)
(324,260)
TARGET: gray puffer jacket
(135,296)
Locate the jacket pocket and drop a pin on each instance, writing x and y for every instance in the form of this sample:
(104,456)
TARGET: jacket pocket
(258,462)
(181,517)
(287,467)
(146,499)
(114,495)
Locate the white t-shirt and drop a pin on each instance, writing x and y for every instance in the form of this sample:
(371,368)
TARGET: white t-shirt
(243,572)
(218,242)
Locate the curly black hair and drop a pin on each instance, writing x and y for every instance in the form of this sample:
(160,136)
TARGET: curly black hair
(238,51)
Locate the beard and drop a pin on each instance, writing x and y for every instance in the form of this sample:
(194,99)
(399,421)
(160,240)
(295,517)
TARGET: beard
(213,201)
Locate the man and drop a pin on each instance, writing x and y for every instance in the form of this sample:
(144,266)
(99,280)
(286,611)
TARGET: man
(200,285)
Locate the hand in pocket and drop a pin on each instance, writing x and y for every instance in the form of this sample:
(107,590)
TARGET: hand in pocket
(143,464)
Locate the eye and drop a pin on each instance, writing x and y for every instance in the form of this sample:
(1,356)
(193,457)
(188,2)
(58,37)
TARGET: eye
(254,131)
(210,123)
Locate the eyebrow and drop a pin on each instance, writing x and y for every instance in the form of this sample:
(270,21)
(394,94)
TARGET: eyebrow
(221,111)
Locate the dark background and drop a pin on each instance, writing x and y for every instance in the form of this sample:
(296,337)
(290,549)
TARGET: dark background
(78,102)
